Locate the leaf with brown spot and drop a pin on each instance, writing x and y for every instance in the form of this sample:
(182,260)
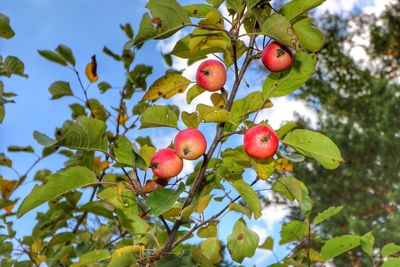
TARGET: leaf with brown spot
(166,87)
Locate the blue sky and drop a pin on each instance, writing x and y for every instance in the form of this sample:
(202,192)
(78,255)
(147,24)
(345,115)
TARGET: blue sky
(87,26)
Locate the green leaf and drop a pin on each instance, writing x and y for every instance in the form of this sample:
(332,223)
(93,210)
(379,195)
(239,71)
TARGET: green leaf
(203,203)
(191,120)
(211,249)
(213,114)
(57,184)
(127,28)
(209,230)
(278,27)
(367,243)
(268,244)
(249,196)
(77,110)
(168,16)
(198,257)
(12,66)
(293,231)
(166,87)
(193,92)
(163,199)
(339,245)
(234,6)
(4,161)
(294,189)
(240,208)
(322,216)
(310,37)
(66,53)
(85,134)
(124,152)
(390,249)
(315,145)
(53,56)
(61,238)
(98,110)
(288,127)
(284,83)
(92,257)
(263,168)
(392,263)
(158,116)
(59,89)
(104,86)
(215,3)
(198,10)
(27,149)
(5,29)
(242,242)
(295,8)
(97,207)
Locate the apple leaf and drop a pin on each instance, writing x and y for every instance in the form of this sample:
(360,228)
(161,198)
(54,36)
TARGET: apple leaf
(166,87)
(53,57)
(168,16)
(66,53)
(163,199)
(194,92)
(249,196)
(326,214)
(284,83)
(59,89)
(367,243)
(92,257)
(5,29)
(158,116)
(339,245)
(57,184)
(12,66)
(85,134)
(210,230)
(211,249)
(124,152)
(391,263)
(315,145)
(278,27)
(191,120)
(295,8)
(268,244)
(294,189)
(242,242)
(310,37)
(213,114)
(240,208)
(198,10)
(293,231)
(390,249)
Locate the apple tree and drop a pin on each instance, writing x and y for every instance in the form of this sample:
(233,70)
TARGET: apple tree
(121,201)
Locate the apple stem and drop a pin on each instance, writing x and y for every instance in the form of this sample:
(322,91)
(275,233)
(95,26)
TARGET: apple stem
(265,138)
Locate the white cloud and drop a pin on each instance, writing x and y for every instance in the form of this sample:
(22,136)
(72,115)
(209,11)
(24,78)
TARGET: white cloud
(284,111)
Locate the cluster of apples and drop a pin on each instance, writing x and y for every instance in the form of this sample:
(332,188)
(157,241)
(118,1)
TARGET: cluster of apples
(260,142)
(189,144)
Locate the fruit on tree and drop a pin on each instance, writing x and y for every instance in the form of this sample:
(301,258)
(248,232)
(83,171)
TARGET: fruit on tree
(260,142)
(190,144)
(211,75)
(166,164)
(276,57)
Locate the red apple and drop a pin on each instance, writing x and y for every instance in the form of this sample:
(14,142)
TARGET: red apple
(166,164)
(211,75)
(260,142)
(190,144)
(276,57)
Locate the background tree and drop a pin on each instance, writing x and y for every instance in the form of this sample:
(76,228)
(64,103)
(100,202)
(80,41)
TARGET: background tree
(357,103)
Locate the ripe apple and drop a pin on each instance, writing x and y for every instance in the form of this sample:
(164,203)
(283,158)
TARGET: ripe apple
(260,142)
(166,164)
(190,144)
(211,75)
(276,57)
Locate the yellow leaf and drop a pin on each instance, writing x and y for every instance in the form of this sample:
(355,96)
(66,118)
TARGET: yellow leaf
(91,70)
(128,250)
(40,259)
(166,87)
(203,203)
(36,246)
(122,119)
(99,165)
(6,186)
(9,208)
(283,165)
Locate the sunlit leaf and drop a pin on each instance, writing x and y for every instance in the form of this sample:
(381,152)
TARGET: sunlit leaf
(211,249)
(295,8)
(249,196)
(310,37)
(242,242)
(278,27)
(158,116)
(166,87)
(326,214)
(292,231)
(163,199)
(339,245)
(57,184)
